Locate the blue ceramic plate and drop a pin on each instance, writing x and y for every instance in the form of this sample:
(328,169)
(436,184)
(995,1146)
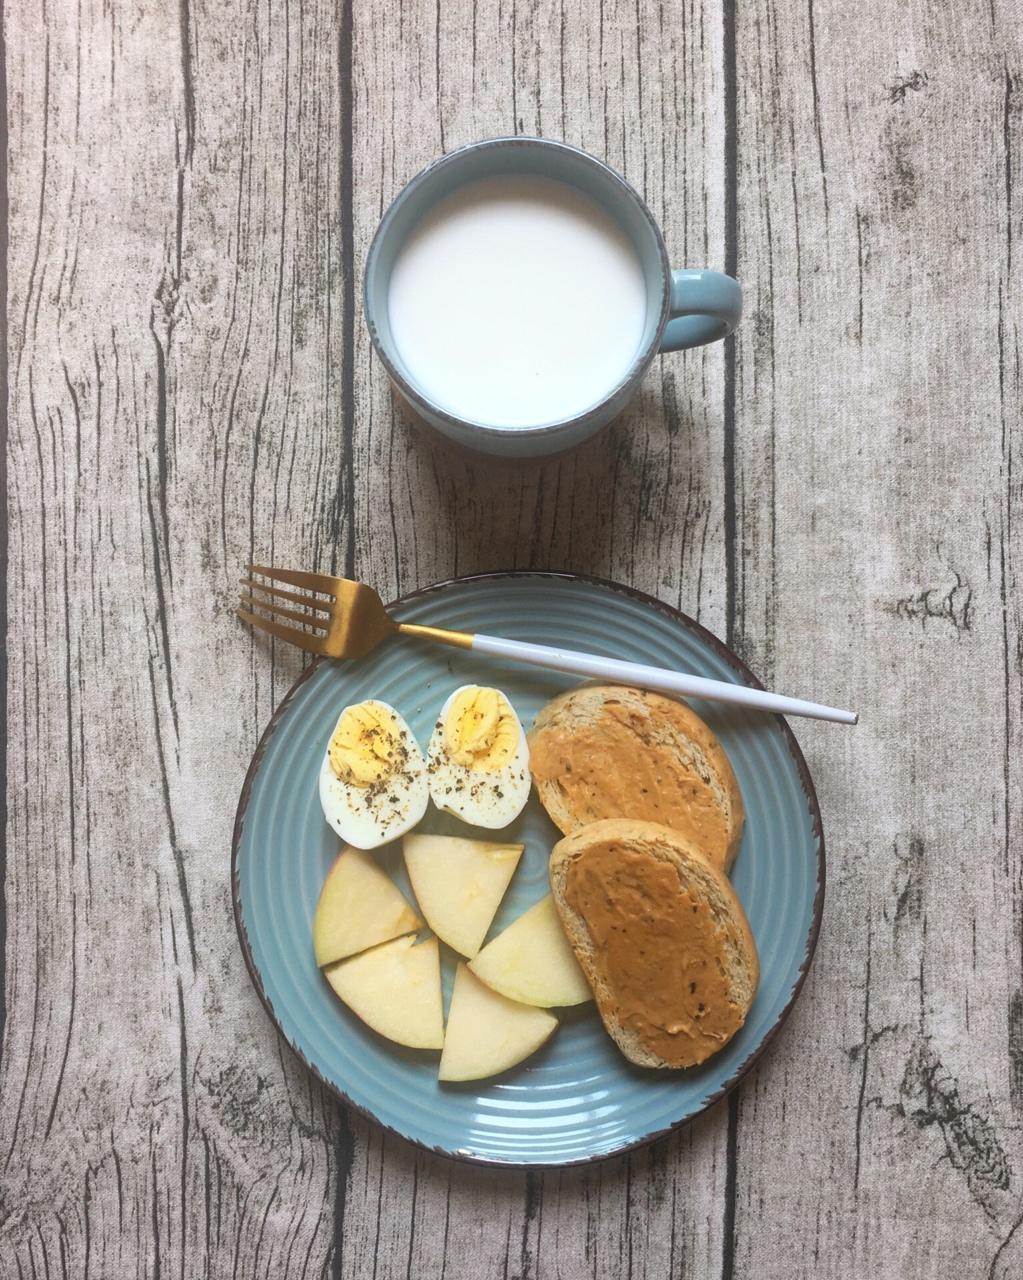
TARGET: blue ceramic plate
(577,1099)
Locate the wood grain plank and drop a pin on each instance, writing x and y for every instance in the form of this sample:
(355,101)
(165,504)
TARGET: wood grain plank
(175,297)
(192,191)
(639,85)
(643,503)
(877,442)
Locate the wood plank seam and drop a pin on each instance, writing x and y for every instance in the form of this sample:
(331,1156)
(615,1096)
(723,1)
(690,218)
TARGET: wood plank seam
(4,517)
(731,534)
(344,1147)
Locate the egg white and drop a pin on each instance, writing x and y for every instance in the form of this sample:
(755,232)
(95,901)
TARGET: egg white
(368,817)
(482,799)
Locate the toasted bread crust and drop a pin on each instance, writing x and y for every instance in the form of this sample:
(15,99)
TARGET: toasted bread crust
(609,751)
(724,944)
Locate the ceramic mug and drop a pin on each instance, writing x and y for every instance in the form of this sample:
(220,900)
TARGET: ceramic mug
(684,309)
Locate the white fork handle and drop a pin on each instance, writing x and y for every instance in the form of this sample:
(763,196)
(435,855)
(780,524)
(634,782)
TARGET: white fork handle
(656,678)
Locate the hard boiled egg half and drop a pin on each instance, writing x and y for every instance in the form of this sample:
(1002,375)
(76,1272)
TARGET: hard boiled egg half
(478,760)
(373,784)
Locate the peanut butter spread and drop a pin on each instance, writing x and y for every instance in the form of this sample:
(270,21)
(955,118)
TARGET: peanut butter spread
(604,769)
(658,949)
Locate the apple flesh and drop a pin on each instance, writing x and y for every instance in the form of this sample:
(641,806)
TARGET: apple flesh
(395,989)
(533,962)
(487,1033)
(459,885)
(359,907)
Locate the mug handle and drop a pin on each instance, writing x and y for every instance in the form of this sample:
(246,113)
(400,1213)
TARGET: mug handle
(704,307)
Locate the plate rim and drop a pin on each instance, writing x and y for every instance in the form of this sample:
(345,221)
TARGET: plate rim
(806,784)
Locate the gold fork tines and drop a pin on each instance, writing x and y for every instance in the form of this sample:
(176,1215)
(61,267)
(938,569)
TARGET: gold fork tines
(260,595)
(310,602)
(355,620)
(301,639)
(322,583)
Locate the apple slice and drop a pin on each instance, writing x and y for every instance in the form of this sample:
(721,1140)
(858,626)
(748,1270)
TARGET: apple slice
(532,961)
(359,907)
(459,885)
(487,1033)
(395,989)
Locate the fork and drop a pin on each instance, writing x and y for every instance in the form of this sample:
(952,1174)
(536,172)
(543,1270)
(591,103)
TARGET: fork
(348,620)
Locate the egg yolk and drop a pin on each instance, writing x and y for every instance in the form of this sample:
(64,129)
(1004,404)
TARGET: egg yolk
(365,745)
(480,729)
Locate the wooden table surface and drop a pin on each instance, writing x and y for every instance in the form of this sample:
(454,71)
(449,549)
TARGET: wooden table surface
(837,492)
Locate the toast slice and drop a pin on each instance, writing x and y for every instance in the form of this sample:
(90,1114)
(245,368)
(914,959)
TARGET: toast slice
(661,937)
(608,751)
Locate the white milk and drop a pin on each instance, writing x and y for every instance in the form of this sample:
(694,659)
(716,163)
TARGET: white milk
(517,301)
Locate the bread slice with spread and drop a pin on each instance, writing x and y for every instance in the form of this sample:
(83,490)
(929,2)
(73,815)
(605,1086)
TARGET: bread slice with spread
(608,751)
(661,937)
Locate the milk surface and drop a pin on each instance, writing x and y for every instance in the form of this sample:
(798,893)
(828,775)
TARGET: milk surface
(517,302)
